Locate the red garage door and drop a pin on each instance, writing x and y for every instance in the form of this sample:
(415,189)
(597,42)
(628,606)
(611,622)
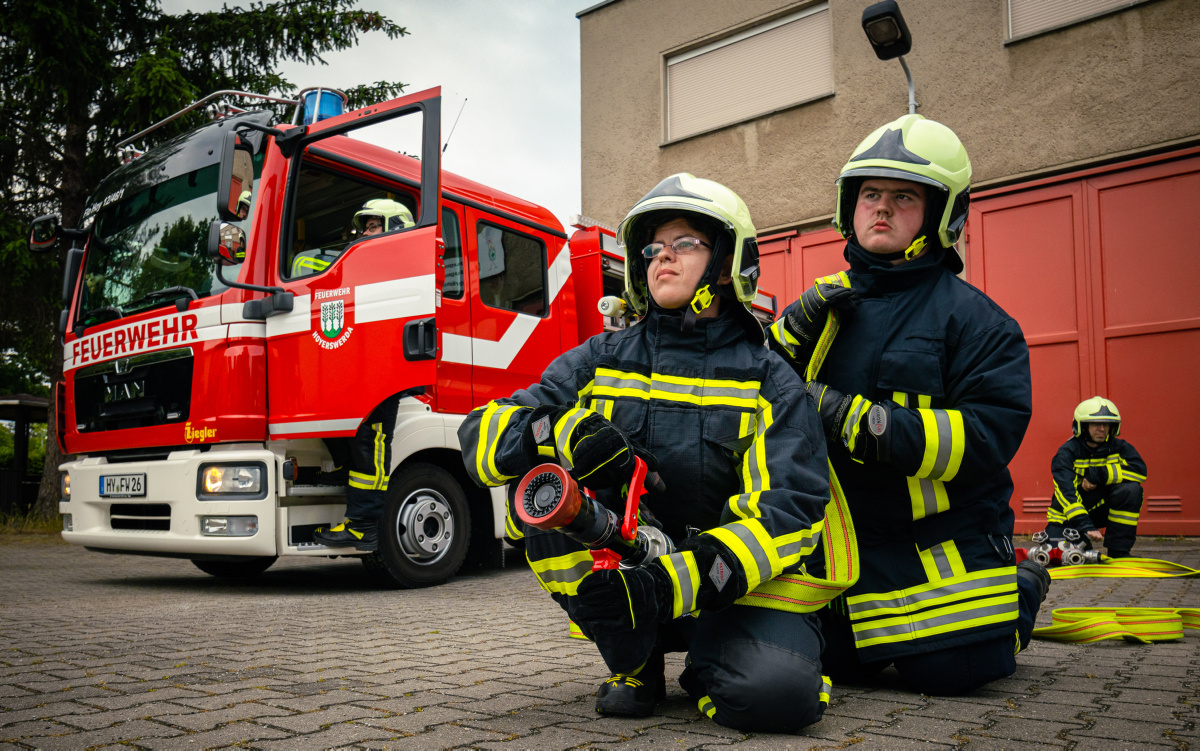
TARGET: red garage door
(1102,270)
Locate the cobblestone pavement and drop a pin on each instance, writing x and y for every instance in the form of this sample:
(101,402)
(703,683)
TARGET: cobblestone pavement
(102,650)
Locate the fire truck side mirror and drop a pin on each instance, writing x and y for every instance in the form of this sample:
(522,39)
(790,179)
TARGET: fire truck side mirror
(236,181)
(44,233)
(226,243)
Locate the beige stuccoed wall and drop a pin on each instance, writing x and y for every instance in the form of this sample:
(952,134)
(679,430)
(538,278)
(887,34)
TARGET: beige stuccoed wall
(1117,84)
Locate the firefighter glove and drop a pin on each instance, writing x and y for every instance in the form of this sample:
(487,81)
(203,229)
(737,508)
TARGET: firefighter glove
(615,601)
(862,426)
(806,320)
(597,453)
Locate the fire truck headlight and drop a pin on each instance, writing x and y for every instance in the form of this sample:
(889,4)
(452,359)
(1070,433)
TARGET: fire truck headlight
(229,526)
(65,479)
(231,481)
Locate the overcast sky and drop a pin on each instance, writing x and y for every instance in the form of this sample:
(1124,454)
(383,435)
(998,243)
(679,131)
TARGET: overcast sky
(515,61)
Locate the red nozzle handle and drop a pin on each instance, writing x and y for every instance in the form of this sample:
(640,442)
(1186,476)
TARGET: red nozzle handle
(630,524)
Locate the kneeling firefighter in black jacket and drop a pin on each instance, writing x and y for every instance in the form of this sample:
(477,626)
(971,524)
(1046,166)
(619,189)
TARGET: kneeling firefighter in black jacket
(739,446)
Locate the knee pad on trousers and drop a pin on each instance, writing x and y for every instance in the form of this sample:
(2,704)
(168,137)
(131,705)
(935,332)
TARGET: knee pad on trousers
(959,670)
(763,688)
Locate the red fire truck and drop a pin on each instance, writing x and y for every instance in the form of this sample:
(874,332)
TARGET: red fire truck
(211,346)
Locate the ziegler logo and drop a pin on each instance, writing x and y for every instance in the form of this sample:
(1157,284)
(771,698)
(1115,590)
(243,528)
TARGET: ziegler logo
(121,392)
(197,435)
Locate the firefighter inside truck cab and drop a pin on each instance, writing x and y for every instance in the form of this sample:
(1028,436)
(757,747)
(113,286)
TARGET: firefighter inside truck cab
(925,396)
(377,216)
(737,444)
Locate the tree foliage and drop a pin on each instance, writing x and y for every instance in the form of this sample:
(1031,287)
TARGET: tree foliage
(78,76)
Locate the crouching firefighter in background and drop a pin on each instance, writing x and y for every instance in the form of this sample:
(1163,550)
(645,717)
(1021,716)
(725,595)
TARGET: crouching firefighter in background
(740,451)
(1097,480)
(925,396)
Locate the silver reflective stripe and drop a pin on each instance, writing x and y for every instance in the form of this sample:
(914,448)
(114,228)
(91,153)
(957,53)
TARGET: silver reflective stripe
(756,549)
(853,418)
(686,594)
(909,602)
(612,382)
(493,430)
(566,575)
(701,391)
(928,496)
(910,627)
(945,439)
(941,561)
(564,436)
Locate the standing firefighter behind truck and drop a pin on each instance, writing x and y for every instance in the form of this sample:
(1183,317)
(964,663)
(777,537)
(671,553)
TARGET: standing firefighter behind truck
(925,396)
(738,445)
(1097,480)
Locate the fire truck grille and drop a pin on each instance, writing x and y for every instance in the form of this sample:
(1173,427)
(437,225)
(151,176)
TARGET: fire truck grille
(135,392)
(155,517)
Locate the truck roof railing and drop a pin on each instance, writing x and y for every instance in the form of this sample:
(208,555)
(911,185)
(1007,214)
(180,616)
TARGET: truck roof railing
(200,103)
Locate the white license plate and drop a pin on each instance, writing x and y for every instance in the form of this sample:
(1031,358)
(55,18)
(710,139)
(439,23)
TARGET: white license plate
(122,486)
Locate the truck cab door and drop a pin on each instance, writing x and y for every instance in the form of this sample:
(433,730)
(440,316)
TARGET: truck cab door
(516,274)
(362,324)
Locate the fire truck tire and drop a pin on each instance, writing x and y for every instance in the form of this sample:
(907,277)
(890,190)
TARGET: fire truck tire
(245,568)
(425,529)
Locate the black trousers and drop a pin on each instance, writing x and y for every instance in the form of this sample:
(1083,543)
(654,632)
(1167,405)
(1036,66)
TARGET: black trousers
(953,671)
(1119,534)
(748,668)
(368,456)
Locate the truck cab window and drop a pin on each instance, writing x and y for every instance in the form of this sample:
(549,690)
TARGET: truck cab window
(326,220)
(512,270)
(452,238)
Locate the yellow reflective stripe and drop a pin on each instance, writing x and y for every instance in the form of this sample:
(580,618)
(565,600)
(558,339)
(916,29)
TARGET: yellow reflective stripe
(546,450)
(703,392)
(1123,517)
(974,584)
(685,581)
(748,540)
(603,407)
(1145,625)
(706,706)
(511,530)
(943,620)
(361,481)
(826,689)
(792,548)
(381,471)
(1110,474)
(927,497)
(564,573)
(841,278)
(942,561)
(563,430)
(491,425)
(307,262)
(945,441)
(779,331)
(756,478)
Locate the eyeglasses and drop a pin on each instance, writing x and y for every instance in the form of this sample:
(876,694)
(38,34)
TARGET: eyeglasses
(373,226)
(680,246)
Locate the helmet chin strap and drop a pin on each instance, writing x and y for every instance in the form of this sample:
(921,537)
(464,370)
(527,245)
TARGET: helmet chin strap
(912,251)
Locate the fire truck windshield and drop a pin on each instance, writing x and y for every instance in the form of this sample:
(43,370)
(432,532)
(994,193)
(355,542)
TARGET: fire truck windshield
(149,242)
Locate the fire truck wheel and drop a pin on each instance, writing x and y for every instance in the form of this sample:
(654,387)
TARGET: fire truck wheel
(244,568)
(425,529)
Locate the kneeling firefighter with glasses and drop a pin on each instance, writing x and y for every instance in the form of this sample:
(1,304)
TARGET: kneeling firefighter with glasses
(739,448)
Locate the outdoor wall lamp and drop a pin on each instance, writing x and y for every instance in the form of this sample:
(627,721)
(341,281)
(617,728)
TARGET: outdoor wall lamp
(890,38)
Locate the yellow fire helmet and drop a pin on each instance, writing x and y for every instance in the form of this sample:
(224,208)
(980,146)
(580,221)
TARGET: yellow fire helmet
(1096,409)
(685,193)
(923,151)
(393,214)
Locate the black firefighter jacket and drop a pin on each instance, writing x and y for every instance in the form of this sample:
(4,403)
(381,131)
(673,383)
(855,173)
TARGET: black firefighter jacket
(933,522)
(1114,461)
(738,444)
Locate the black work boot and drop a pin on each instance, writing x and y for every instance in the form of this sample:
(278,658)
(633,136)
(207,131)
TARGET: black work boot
(350,533)
(1037,573)
(633,695)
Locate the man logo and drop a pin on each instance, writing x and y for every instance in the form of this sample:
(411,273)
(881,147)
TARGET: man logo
(333,317)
